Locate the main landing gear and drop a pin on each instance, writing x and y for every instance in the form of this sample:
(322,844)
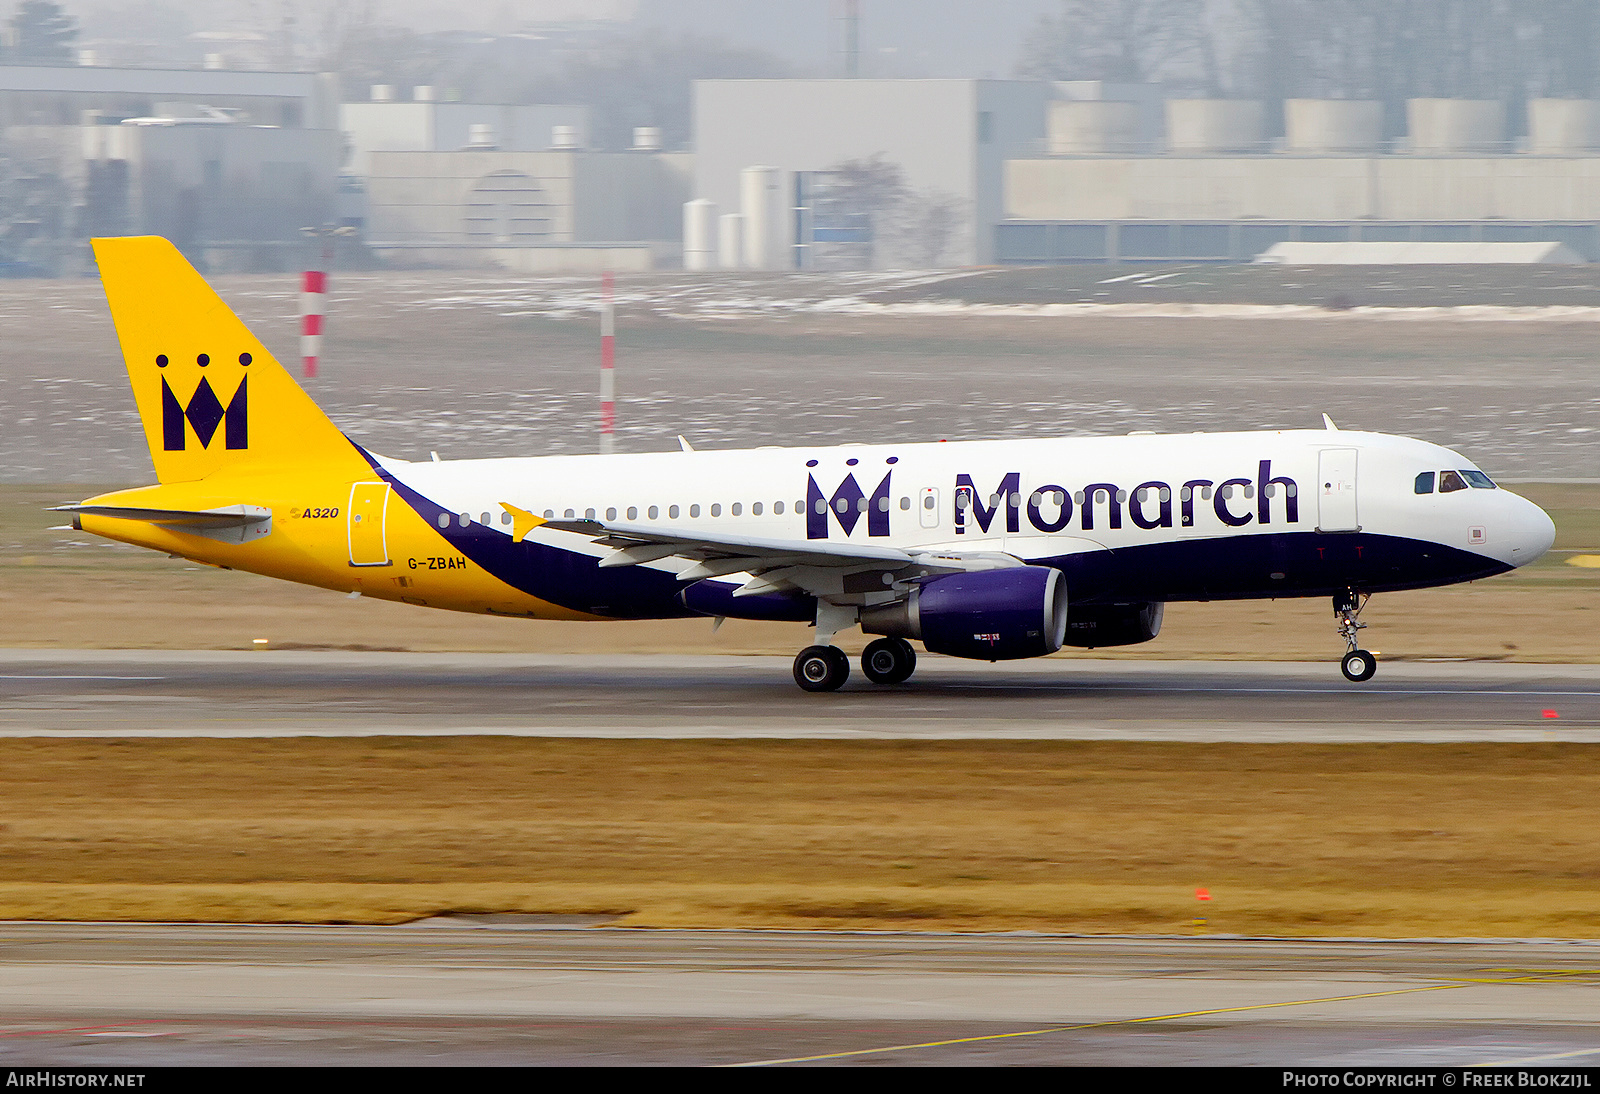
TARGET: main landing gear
(889,661)
(826,668)
(1357,664)
(821,668)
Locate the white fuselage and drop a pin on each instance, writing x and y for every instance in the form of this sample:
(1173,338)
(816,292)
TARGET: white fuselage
(1156,517)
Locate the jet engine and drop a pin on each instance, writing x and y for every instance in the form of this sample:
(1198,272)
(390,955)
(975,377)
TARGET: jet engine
(990,615)
(1114,624)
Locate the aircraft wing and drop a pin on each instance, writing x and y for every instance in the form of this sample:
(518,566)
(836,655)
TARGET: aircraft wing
(823,568)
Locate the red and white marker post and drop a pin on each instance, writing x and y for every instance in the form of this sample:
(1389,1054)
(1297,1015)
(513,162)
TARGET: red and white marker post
(313,294)
(608,363)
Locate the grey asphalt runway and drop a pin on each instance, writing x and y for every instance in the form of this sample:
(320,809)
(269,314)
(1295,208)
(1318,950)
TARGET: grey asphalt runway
(288,693)
(452,992)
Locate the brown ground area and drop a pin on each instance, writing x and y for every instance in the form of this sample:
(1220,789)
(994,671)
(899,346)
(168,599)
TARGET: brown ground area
(102,595)
(1386,840)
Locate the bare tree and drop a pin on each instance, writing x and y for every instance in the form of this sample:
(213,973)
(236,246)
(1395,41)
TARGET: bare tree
(926,225)
(643,79)
(1122,41)
(1394,50)
(35,205)
(42,33)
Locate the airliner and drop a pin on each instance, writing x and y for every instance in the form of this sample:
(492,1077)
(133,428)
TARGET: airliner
(989,550)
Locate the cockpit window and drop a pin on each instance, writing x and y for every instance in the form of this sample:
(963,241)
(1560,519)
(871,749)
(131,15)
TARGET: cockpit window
(1478,480)
(1425,483)
(1451,481)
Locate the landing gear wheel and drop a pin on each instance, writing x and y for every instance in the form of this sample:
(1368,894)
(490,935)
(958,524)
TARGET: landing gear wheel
(821,668)
(889,661)
(1358,665)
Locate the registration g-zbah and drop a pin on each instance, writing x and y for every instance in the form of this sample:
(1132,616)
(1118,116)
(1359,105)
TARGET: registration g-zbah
(988,550)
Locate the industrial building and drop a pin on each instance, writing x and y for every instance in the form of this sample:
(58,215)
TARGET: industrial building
(426,124)
(564,208)
(947,137)
(229,165)
(232,164)
(1220,191)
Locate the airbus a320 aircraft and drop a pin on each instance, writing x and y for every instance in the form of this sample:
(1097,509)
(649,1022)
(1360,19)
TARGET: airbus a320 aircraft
(988,550)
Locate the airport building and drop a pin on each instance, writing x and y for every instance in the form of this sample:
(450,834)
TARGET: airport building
(229,165)
(426,124)
(479,184)
(563,208)
(1220,191)
(950,139)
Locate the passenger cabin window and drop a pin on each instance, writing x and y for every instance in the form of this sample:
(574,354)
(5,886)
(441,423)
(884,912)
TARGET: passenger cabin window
(1478,480)
(1451,481)
(1425,483)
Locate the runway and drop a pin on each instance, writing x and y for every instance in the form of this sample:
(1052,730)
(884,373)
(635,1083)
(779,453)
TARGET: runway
(447,992)
(95,693)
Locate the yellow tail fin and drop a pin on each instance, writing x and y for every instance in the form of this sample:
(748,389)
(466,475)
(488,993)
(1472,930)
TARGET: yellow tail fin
(211,397)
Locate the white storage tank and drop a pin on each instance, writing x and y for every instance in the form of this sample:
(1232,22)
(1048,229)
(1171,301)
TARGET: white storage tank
(1091,127)
(700,234)
(646,138)
(1456,126)
(564,136)
(765,205)
(1207,126)
(1563,127)
(1321,127)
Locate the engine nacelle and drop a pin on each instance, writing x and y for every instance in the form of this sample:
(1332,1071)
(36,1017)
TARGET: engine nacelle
(990,615)
(1114,624)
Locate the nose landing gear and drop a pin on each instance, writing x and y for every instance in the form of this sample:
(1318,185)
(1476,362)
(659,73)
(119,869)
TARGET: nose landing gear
(1357,664)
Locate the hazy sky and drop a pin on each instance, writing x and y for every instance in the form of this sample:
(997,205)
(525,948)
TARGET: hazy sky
(898,37)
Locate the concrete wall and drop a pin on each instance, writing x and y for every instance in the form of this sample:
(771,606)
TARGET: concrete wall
(951,136)
(586,197)
(1294,188)
(447,127)
(203,183)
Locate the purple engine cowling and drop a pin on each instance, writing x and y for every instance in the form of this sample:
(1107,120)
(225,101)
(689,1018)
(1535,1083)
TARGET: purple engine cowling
(990,615)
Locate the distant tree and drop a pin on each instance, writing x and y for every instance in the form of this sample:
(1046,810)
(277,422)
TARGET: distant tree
(1122,41)
(643,79)
(909,227)
(35,204)
(42,33)
(927,223)
(364,52)
(1394,50)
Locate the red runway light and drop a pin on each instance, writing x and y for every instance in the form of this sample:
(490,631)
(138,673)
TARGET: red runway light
(1549,714)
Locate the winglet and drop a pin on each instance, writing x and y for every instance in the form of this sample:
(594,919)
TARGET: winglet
(523,521)
(684,444)
(1327,423)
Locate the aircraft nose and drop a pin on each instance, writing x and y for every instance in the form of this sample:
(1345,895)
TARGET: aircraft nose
(1532,532)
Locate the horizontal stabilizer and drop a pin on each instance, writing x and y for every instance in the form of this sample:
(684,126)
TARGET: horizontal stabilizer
(226,524)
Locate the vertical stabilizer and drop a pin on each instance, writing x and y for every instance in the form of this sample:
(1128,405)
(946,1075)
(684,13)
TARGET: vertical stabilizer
(211,398)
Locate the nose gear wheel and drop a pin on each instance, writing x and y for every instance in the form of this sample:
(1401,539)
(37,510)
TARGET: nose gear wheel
(1358,664)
